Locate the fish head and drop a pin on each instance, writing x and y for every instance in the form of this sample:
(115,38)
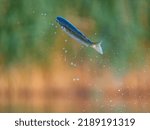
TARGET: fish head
(60,20)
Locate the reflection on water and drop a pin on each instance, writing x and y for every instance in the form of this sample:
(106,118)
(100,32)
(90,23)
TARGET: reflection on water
(63,89)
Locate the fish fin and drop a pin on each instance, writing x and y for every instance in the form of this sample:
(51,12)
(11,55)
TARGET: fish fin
(97,46)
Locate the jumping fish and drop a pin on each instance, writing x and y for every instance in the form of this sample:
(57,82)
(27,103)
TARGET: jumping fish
(76,34)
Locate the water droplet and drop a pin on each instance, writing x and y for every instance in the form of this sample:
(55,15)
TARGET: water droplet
(77,79)
(43,14)
(56,26)
(71,63)
(104,66)
(66,51)
(54,32)
(52,24)
(66,40)
(74,65)
(118,90)
(95,33)
(75,57)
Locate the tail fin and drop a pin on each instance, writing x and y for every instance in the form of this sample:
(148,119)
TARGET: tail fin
(98,48)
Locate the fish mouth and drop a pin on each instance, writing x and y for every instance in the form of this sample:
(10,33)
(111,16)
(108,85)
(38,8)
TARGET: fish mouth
(57,20)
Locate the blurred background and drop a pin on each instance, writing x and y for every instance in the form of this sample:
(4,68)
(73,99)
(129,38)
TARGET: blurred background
(44,70)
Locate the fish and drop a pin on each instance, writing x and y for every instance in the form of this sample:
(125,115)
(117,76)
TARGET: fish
(76,34)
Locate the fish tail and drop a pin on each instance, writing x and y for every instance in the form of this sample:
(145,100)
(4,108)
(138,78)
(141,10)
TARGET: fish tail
(97,46)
